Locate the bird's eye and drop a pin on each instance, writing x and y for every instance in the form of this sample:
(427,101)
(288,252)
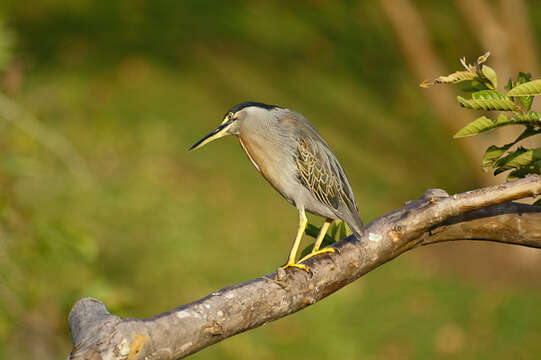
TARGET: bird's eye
(230,116)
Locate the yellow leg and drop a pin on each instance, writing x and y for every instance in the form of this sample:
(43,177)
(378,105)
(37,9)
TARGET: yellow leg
(319,240)
(322,232)
(295,248)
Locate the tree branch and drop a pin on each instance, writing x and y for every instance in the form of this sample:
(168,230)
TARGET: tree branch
(508,223)
(483,214)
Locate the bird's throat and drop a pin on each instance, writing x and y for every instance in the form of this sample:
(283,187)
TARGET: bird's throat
(247,151)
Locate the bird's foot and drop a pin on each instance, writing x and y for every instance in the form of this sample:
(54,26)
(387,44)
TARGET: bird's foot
(317,252)
(297,265)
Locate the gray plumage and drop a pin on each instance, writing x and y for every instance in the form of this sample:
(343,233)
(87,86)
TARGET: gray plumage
(291,155)
(289,152)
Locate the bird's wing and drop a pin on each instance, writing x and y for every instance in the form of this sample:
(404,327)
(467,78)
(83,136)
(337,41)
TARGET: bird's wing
(322,175)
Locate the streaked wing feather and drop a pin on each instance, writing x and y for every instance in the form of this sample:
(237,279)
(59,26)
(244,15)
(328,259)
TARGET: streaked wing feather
(321,174)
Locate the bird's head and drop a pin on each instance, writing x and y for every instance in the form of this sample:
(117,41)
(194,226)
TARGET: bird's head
(234,119)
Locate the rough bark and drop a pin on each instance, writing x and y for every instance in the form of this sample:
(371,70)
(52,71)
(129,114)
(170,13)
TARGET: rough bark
(483,214)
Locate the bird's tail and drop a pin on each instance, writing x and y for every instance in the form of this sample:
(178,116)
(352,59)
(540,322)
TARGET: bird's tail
(359,233)
(357,228)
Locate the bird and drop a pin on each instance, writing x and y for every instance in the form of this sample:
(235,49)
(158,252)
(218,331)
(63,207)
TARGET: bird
(291,155)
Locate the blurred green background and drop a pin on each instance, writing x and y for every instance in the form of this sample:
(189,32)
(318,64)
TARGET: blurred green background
(99,101)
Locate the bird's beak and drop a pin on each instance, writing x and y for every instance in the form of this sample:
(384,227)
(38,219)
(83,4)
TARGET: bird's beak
(217,133)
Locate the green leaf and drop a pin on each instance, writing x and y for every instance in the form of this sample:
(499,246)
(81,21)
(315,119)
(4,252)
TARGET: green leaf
(523,77)
(509,84)
(489,94)
(526,89)
(520,158)
(311,230)
(509,159)
(477,126)
(482,124)
(537,202)
(502,104)
(492,154)
(531,118)
(491,76)
(519,173)
(526,101)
